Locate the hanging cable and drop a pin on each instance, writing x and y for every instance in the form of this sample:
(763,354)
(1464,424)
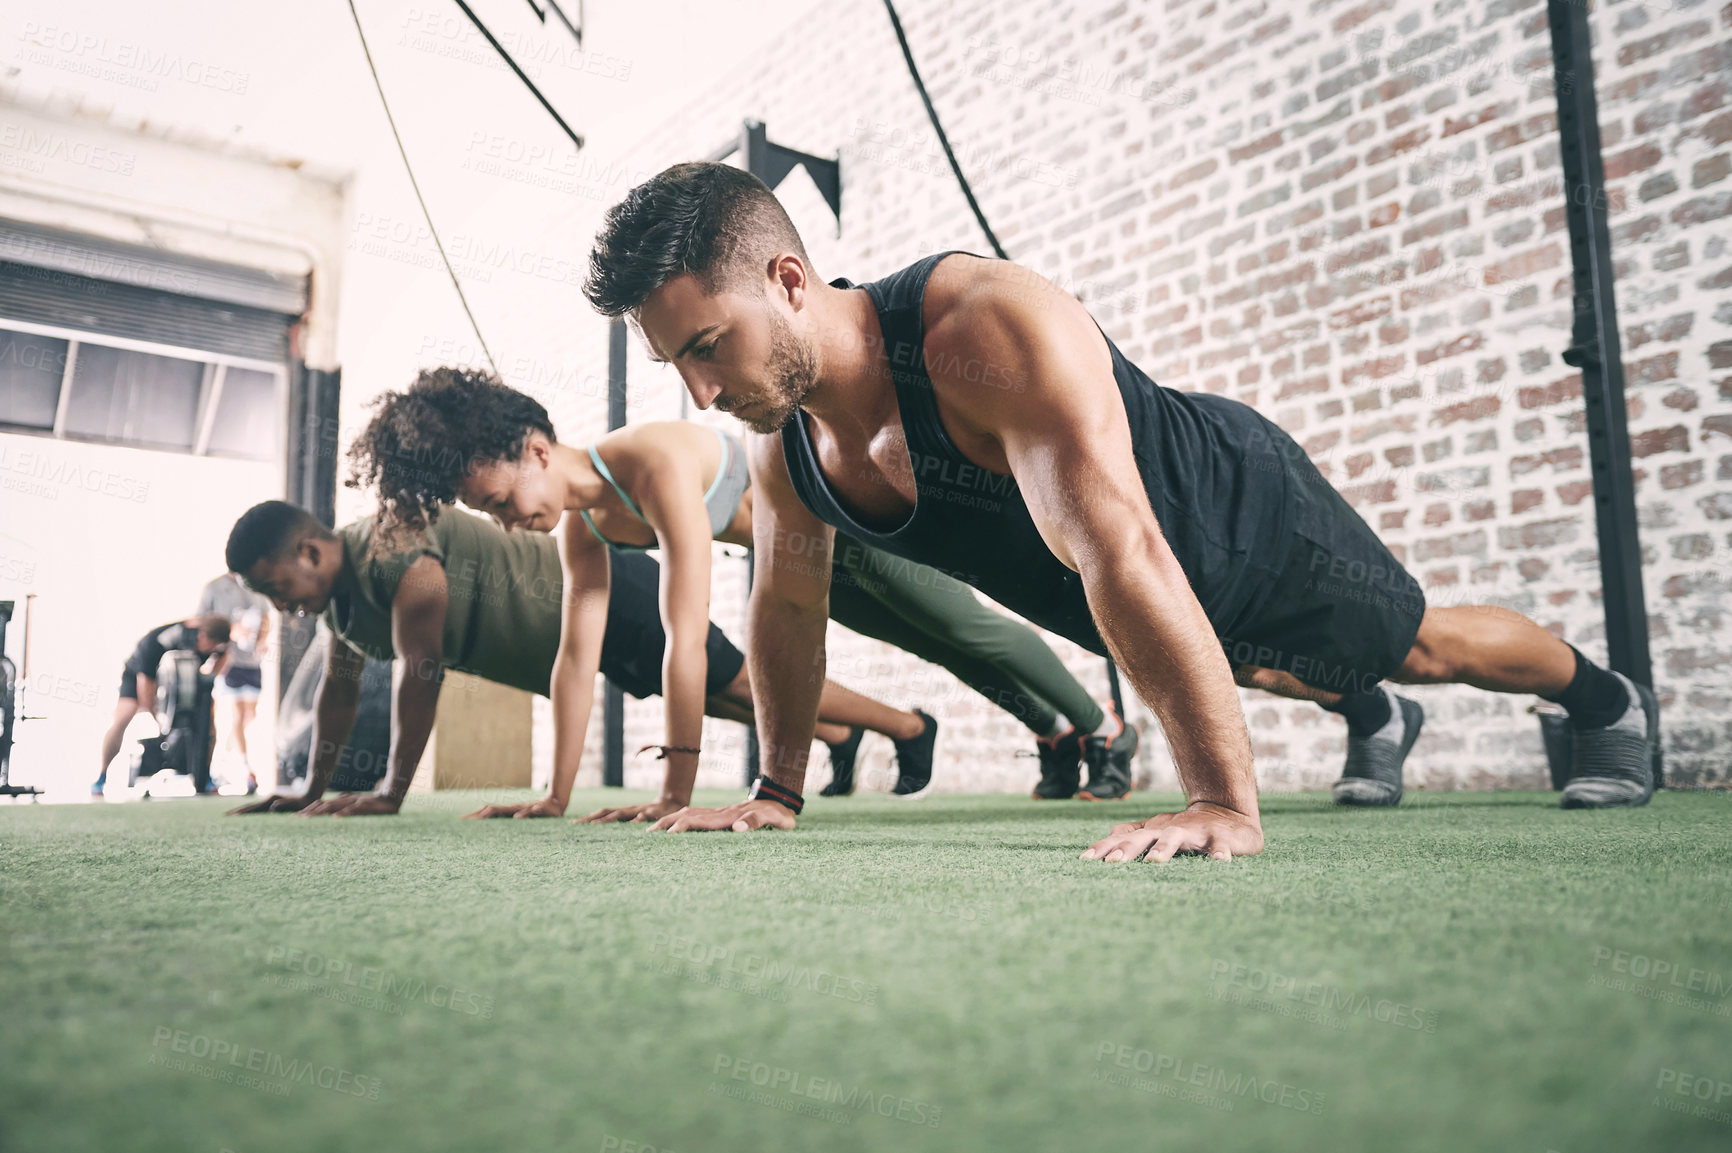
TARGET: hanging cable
(413,183)
(943,140)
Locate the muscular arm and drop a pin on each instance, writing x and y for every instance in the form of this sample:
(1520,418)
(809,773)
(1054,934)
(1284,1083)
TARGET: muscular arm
(787,616)
(1067,442)
(785,625)
(418,636)
(587,586)
(673,504)
(333,715)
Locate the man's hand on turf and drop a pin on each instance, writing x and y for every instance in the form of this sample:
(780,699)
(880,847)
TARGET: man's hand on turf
(645,811)
(545,807)
(746,815)
(1203,828)
(279,804)
(355,805)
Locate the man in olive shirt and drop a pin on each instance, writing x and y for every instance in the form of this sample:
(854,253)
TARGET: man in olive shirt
(465,595)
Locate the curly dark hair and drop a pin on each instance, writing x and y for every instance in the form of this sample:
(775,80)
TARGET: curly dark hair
(422,442)
(714,221)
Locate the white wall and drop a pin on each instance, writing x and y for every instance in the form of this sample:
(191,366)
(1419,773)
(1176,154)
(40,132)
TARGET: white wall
(111,541)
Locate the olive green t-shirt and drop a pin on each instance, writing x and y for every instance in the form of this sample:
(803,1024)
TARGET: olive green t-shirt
(503,610)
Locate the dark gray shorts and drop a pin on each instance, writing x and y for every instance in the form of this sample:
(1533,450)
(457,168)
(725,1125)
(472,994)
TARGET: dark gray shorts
(633,646)
(1343,613)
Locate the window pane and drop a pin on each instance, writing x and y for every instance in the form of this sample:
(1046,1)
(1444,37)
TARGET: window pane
(30,371)
(134,397)
(246,416)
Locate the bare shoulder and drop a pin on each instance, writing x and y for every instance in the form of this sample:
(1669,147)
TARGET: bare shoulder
(659,451)
(992,322)
(1004,346)
(659,440)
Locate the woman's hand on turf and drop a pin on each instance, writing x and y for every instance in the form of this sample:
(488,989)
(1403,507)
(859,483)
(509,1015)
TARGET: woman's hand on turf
(746,815)
(1203,828)
(645,811)
(545,807)
(271,805)
(354,805)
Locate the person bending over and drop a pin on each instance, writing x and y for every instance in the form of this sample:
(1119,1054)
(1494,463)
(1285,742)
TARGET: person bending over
(207,635)
(967,414)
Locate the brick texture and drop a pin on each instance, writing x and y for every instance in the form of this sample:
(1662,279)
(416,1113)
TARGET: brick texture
(1350,217)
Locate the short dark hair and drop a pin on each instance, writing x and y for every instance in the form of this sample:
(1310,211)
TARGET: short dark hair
(714,221)
(424,440)
(214,626)
(271,529)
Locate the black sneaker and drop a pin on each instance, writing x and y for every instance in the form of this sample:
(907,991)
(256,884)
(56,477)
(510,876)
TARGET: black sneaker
(1109,762)
(842,764)
(1373,772)
(1060,766)
(914,760)
(1614,766)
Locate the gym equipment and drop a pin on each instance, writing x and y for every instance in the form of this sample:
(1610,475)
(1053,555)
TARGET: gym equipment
(8,711)
(362,763)
(183,714)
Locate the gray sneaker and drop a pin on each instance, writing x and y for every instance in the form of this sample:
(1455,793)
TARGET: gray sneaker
(1614,765)
(1373,772)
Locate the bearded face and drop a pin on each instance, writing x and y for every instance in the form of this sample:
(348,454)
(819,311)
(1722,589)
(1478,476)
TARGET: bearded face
(734,350)
(789,375)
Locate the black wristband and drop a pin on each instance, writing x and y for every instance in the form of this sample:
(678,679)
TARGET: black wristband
(764,789)
(666,749)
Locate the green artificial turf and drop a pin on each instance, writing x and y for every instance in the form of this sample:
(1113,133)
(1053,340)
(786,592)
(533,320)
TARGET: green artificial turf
(1439,978)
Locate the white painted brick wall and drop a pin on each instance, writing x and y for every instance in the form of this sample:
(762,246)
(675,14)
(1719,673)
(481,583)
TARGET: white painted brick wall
(1350,217)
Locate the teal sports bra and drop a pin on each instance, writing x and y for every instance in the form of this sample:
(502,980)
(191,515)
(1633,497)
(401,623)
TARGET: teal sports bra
(722,500)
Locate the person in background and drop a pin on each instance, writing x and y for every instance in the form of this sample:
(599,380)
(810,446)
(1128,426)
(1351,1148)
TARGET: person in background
(205,634)
(239,679)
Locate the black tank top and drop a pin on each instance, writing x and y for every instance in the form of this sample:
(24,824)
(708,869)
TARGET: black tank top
(1214,470)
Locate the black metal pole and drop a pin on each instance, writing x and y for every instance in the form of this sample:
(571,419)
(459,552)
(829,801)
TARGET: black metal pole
(1594,341)
(613,698)
(311,482)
